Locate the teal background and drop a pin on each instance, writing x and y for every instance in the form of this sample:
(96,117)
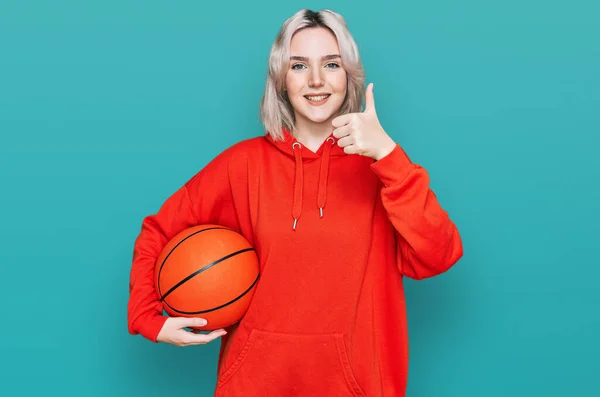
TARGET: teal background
(106,107)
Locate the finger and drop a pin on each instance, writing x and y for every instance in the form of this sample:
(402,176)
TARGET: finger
(199,330)
(369,98)
(346,141)
(342,131)
(201,339)
(351,149)
(342,120)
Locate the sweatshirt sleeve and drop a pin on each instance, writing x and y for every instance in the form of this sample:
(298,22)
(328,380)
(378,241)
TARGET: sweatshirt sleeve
(205,198)
(428,241)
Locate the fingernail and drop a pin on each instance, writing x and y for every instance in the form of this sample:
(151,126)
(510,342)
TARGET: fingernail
(201,322)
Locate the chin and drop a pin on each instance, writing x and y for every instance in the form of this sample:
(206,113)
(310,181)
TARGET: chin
(320,117)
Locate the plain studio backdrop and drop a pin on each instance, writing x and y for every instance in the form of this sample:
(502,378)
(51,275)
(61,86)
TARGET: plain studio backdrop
(107,107)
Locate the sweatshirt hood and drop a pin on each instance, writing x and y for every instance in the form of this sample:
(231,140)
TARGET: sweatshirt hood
(296,150)
(290,144)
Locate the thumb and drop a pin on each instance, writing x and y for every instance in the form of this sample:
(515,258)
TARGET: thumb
(369,98)
(191,322)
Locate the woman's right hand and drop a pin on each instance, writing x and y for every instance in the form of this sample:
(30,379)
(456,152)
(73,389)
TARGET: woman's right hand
(173,332)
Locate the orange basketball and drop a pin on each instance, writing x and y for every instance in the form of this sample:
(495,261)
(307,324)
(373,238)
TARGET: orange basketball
(207,271)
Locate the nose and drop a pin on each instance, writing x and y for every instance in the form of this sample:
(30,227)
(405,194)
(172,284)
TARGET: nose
(315,79)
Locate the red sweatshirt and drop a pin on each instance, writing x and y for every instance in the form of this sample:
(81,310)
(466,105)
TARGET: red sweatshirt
(328,316)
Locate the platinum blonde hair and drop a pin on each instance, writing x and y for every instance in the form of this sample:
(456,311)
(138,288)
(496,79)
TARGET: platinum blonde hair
(276,111)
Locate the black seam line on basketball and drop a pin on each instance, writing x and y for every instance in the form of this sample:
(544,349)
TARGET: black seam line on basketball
(173,288)
(221,306)
(179,243)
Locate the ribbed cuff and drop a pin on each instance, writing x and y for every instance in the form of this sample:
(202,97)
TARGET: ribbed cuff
(394,167)
(151,327)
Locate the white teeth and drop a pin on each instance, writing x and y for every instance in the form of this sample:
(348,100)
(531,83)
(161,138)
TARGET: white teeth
(317,98)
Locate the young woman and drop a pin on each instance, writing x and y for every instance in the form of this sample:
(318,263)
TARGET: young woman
(338,215)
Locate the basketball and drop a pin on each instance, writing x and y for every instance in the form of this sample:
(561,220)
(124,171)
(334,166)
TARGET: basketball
(207,271)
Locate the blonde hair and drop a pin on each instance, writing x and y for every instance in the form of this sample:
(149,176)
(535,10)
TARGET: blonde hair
(276,111)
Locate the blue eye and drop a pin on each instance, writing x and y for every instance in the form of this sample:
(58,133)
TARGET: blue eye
(297,66)
(335,65)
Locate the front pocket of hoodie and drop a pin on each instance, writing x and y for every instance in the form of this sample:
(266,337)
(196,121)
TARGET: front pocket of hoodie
(277,364)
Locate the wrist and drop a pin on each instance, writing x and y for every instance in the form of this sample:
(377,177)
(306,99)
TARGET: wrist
(385,150)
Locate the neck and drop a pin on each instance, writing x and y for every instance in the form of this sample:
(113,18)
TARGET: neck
(310,134)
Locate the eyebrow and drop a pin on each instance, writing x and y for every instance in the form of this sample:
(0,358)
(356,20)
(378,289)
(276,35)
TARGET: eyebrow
(324,58)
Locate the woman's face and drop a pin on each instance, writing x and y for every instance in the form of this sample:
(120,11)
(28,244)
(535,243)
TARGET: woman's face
(315,81)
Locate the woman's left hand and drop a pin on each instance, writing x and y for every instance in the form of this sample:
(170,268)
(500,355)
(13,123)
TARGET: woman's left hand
(361,133)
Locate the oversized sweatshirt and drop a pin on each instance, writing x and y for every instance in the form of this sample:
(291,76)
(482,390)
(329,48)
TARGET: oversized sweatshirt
(335,235)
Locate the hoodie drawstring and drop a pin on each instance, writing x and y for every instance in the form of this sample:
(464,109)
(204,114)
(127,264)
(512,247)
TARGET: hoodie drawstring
(322,192)
(299,180)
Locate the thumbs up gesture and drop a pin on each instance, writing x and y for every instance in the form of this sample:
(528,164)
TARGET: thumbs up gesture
(361,133)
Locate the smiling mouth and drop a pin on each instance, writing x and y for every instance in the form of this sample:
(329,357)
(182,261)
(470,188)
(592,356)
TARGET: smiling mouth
(317,98)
